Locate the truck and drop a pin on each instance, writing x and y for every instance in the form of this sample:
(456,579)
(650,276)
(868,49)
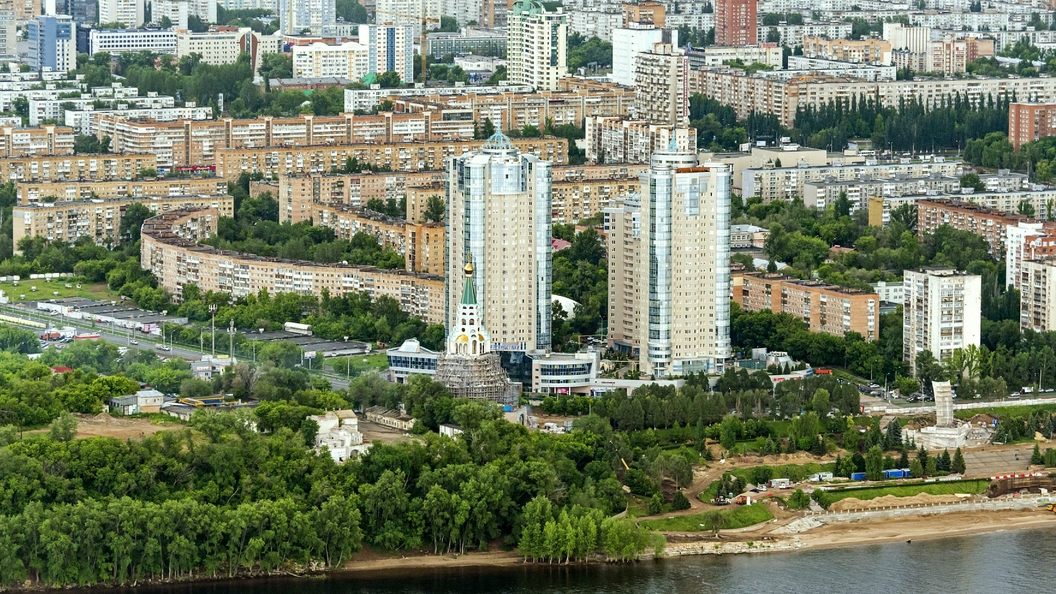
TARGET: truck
(857,476)
(87,336)
(50,334)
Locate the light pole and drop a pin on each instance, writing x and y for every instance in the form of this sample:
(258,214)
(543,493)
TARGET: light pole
(231,341)
(348,365)
(212,326)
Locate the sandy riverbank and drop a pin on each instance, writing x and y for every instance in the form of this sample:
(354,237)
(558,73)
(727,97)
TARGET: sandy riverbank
(842,534)
(918,528)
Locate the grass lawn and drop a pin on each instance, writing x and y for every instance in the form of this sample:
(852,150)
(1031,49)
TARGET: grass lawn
(47,289)
(733,517)
(1019,410)
(359,363)
(904,490)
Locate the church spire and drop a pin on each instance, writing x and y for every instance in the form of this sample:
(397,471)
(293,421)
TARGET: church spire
(469,292)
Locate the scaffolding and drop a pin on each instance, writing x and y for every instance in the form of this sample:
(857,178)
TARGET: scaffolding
(478,377)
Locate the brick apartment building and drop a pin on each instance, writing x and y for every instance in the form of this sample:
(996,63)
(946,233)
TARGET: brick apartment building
(823,307)
(1028,122)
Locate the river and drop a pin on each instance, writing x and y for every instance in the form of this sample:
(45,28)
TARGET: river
(1013,561)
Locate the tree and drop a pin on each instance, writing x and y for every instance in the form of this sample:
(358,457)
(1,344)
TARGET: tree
(874,464)
(893,435)
(916,469)
(448,25)
(971,180)
(1035,456)
(389,80)
(799,500)
(656,504)
(132,221)
(435,210)
(679,502)
(957,464)
(63,428)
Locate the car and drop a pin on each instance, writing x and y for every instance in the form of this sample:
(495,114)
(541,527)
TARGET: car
(136,342)
(162,347)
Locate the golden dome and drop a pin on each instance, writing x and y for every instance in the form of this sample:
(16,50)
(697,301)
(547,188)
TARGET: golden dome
(469,269)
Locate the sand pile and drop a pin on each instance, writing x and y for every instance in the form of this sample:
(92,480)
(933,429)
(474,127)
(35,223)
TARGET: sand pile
(853,503)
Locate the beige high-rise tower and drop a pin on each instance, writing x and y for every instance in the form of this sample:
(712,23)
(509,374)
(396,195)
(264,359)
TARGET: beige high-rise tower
(535,45)
(669,267)
(498,212)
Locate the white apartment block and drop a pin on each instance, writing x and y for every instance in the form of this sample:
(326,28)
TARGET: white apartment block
(592,23)
(409,12)
(536,45)
(462,11)
(215,47)
(1037,300)
(786,182)
(127,12)
(7,31)
(272,5)
(792,35)
(498,217)
(87,121)
(390,48)
(627,45)
(347,60)
(618,140)
(767,94)
(661,86)
(177,12)
(119,41)
(203,9)
(941,313)
(669,268)
(769,54)
(317,16)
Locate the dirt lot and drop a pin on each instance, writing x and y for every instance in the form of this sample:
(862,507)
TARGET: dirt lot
(103,425)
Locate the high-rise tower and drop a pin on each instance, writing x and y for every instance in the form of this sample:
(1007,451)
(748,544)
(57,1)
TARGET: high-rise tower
(498,214)
(669,267)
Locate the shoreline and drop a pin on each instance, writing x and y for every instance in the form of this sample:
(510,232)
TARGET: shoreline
(923,527)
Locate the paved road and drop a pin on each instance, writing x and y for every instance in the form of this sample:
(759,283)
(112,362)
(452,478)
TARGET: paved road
(146,341)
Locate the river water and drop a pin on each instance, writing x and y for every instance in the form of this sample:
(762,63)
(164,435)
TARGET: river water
(1014,561)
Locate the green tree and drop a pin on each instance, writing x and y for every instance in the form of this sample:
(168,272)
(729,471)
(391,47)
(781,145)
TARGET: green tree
(957,465)
(874,464)
(63,428)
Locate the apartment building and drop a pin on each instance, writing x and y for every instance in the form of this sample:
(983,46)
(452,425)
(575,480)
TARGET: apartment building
(470,40)
(45,140)
(618,140)
(627,43)
(75,167)
(661,86)
(298,193)
(536,45)
(219,45)
(194,143)
(784,183)
(52,45)
(768,54)
(119,41)
(941,313)
(1028,122)
(735,22)
(793,35)
(390,48)
(346,60)
(669,267)
(404,157)
(515,110)
(766,93)
(991,225)
(317,16)
(127,12)
(748,237)
(822,307)
(28,193)
(498,218)
(1035,240)
(863,51)
(170,250)
(422,245)
(1037,301)
(861,192)
(411,12)
(99,220)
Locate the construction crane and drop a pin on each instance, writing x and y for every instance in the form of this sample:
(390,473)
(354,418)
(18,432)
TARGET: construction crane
(425,30)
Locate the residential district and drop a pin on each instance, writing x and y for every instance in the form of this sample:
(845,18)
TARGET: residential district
(578,280)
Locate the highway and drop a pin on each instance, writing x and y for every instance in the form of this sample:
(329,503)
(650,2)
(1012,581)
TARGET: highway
(146,341)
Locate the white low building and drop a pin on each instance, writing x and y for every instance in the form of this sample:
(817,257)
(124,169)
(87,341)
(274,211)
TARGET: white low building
(339,434)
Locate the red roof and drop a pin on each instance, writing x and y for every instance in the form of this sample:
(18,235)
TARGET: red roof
(61,369)
(559,244)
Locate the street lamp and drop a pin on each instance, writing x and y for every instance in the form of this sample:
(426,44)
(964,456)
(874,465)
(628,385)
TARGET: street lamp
(212,325)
